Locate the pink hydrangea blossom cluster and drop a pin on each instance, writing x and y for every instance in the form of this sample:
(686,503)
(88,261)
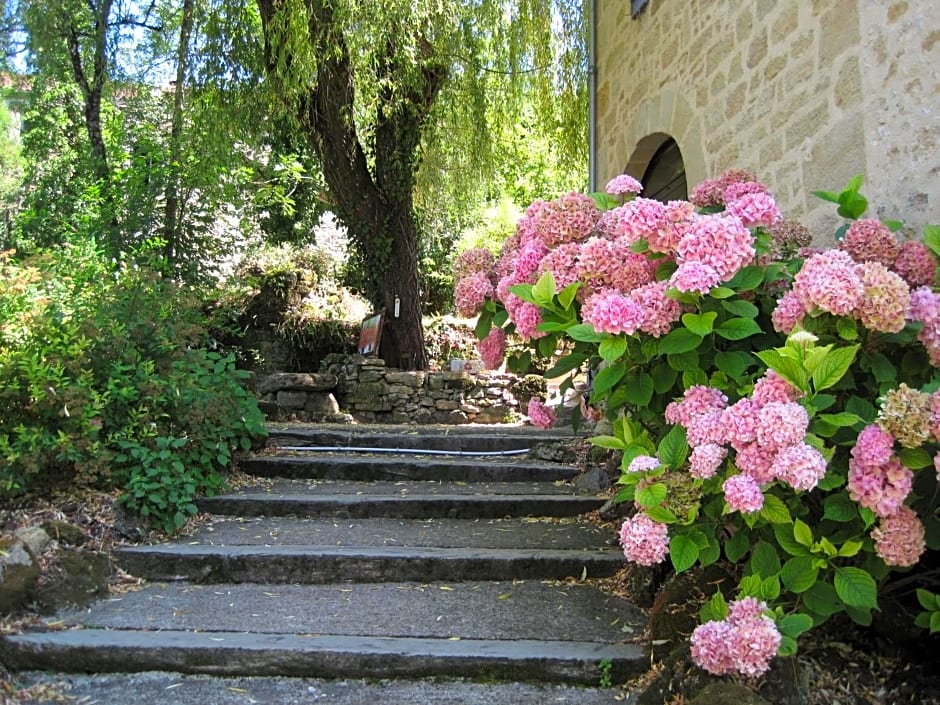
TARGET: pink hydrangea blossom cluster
(801,466)
(677,221)
(660,311)
(472,261)
(781,424)
(704,460)
(744,643)
(471,293)
(698,399)
(916,264)
(643,463)
(899,538)
(743,494)
(925,309)
(877,479)
(623,184)
(772,387)
(562,262)
(868,240)
(492,348)
(754,209)
(644,541)
(886,299)
(711,192)
(719,241)
(527,317)
(610,264)
(612,312)
(737,189)
(828,281)
(640,219)
(694,277)
(570,218)
(540,414)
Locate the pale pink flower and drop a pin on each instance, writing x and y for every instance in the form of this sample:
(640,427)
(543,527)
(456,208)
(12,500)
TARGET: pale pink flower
(610,312)
(606,263)
(781,424)
(772,387)
(868,240)
(526,264)
(739,421)
(641,218)
(916,264)
(899,538)
(801,466)
(754,209)
(705,428)
(659,311)
(643,463)
(697,399)
(562,262)
(711,647)
(644,541)
(789,313)
(694,277)
(925,308)
(476,259)
(743,494)
(886,300)
(873,446)
(704,460)
(881,488)
(738,189)
(679,216)
(755,461)
(492,348)
(744,643)
(707,194)
(540,414)
(623,184)
(526,317)
(722,242)
(828,281)
(471,293)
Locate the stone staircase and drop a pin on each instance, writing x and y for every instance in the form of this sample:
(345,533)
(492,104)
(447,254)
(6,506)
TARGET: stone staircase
(364,553)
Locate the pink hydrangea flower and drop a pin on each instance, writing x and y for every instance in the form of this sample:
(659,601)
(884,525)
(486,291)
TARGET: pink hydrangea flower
(540,414)
(756,461)
(606,263)
(679,217)
(526,317)
(704,460)
(899,538)
(472,261)
(772,387)
(610,312)
(874,446)
(744,643)
(705,428)
(707,194)
(781,424)
(623,184)
(916,264)
(721,242)
(471,293)
(694,277)
(492,348)
(789,313)
(562,262)
(881,488)
(743,494)
(829,281)
(925,308)
(886,300)
(738,189)
(868,240)
(570,218)
(644,541)
(643,463)
(526,263)
(739,421)
(754,209)
(641,218)
(697,399)
(659,311)
(801,466)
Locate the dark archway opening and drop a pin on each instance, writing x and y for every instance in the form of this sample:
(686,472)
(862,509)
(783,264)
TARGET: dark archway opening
(664,178)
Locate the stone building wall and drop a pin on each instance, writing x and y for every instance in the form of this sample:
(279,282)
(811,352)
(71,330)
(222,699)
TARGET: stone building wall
(357,388)
(805,94)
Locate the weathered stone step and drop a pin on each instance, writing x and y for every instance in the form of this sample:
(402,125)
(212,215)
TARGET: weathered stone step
(339,466)
(409,506)
(184,689)
(312,564)
(239,653)
(436,438)
(280,485)
(535,610)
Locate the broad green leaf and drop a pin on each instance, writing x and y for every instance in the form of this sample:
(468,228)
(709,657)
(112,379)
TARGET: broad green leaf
(740,308)
(650,495)
(715,610)
(784,535)
(682,552)
(882,368)
(700,323)
(640,389)
(690,378)
(854,184)
(793,625)
(612,349)
(721,292)
(710,553)
(928,600)
(830,196)
(611,442)
(838,507)
(733,363)
(799,574)
(849,549)
(822,599)
(788,646)
(673,448)
(852,205)
(737,546)
(544,290)
(738,329)
(747,278)
(585,333)
(679,340)
(684,361)
(662,515)
(604,201)
(548,345)
(566,295)
(664,377)
(774,510)
(770,588)
(524,292)
(764,560)
(935,622)
(847,328)
(859,615)
(802,533)
(932,238)
(484,323)
(916,458)
(843,418)
(566,364)
(608,377)
(856,588)
(786,367)
(834,367)
(750,585)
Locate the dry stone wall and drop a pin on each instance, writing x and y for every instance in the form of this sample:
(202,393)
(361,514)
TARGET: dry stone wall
(363,389)
(806,94)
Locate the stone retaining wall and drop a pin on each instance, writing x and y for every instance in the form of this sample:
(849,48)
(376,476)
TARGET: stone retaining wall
(363,389)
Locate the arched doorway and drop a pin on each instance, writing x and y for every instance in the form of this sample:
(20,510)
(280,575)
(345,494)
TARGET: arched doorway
(664,178)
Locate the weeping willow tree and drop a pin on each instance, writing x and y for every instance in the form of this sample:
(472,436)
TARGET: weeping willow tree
(376,89)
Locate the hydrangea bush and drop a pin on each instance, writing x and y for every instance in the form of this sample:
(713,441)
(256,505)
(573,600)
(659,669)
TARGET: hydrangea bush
(776,405)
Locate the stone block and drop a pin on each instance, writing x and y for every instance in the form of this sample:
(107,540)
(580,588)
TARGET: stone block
(292,400)
(409,379)
(321,403)
(35,538)
(369,376)
(19,574)
(400,389)
(436,382)
(297,381)
(446,405)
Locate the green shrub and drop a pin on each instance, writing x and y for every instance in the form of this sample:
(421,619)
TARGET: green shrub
(106,380)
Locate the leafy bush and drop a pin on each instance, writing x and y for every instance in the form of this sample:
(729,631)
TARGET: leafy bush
(776,410)
(106,379)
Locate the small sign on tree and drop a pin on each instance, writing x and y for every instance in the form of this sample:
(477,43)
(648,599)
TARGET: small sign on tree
(371,333)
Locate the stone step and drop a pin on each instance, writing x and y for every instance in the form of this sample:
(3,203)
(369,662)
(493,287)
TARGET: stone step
(402,506)
(501,610)
(340,466)
(264,654)
(312,564)
(435,438)
(278,485)
(184,689)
